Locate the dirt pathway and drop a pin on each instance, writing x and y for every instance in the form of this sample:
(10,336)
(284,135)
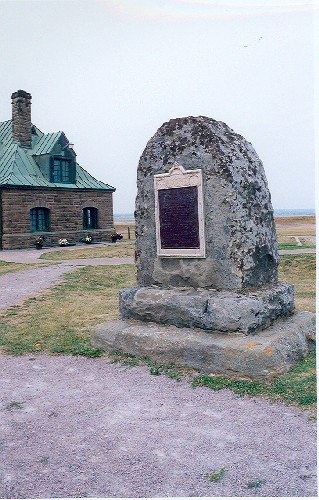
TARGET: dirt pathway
(18,286)
(77,427)
(31,256)
(298,251)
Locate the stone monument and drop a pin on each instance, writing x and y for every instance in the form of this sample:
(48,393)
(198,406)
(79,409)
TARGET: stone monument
(207,293)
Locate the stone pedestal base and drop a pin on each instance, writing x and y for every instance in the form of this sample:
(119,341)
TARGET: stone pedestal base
(226,311)
(269,353)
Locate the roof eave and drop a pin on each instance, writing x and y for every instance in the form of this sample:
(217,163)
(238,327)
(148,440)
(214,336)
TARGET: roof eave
(60,187)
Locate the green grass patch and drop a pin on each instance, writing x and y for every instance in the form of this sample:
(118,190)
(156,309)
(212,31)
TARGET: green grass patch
(240,387)
(293,246)
(92,252)
(168,369)
(296,265)
(298,386)
(14,405)
(216,476)
(300,270)
(61,320)
(12,267)
(254,484)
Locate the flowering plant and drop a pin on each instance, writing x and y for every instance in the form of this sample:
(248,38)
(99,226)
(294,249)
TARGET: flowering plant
(63,242)
(87,239)
(39,242)
(115,236)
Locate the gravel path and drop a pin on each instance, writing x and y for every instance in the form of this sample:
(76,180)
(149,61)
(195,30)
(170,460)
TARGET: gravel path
(102,261)
(297,251)
(77,427)
(31,256)
(18,286)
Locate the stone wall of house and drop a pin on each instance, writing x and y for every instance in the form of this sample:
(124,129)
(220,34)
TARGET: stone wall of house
(66,215)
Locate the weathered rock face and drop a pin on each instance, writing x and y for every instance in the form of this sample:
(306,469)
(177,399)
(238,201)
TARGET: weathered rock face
(207,295)
(241,248)
(270,353)
(220,311)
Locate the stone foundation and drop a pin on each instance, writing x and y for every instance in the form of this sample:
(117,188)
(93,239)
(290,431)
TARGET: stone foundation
(224,311)
(270,353)
(19,241)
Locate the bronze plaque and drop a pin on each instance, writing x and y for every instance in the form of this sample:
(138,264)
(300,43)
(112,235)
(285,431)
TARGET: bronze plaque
(178,216)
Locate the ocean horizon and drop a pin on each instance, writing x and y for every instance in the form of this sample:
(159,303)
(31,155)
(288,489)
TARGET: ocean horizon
(279,212)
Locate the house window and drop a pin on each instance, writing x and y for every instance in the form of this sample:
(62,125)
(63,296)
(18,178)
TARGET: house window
(89,218)
(61,170)
(40,219)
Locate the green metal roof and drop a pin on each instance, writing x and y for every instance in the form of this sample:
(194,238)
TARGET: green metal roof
(18,166)
(6,131)
(46,143)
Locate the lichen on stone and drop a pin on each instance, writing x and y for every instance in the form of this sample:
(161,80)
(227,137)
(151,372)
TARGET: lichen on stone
(241,248)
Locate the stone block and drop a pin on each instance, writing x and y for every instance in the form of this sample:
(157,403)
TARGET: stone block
(211,310)
(270,353)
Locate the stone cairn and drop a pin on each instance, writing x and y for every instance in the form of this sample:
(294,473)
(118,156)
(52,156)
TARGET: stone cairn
(208,295)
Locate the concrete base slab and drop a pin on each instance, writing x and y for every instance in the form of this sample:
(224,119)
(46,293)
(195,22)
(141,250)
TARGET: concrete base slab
(271,352)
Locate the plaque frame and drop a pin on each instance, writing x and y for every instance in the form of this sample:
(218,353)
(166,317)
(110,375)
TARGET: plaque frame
(178,177)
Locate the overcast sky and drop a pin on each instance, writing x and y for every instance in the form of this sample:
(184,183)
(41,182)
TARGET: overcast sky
(110,72)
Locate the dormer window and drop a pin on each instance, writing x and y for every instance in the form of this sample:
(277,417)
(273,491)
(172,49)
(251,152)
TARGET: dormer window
(62,170)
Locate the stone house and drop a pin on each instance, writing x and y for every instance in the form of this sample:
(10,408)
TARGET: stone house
(43,190)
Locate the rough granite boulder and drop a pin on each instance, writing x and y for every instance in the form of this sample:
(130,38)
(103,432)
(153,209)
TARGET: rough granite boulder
(241,247)
(208,295)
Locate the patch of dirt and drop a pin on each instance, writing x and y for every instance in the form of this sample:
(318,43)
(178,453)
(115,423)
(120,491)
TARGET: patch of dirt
(20,285)
(296,226)
(78,427)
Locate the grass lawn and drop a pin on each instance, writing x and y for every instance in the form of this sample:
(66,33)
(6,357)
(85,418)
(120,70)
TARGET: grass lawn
(300,270)
(293,246)
(295,226)
(11,267)
(61,319)
(92,252)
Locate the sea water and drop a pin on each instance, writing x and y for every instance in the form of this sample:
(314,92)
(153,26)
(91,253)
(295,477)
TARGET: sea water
(129,217)
(293,212)
(282,212)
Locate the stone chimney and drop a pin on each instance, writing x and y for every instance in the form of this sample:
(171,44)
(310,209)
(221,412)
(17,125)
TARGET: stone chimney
(21,117)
